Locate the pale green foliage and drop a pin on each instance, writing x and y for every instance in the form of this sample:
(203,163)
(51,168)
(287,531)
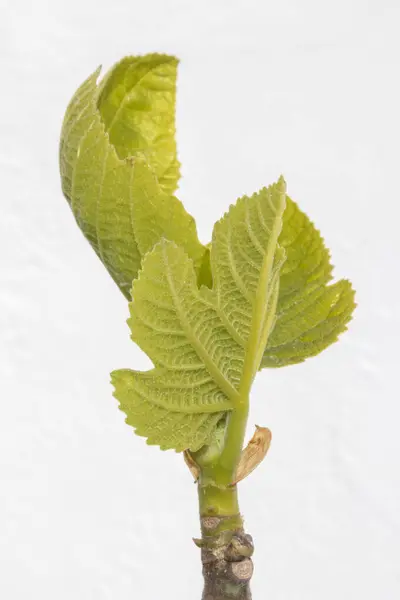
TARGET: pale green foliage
(118,165)
(137,105)
(206,345)
(310,314)
(259,295)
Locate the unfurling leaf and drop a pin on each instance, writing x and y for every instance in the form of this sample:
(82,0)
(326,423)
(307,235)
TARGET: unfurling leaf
(119,168)
(310,314)
(137,104)
(206,344)
(253,454)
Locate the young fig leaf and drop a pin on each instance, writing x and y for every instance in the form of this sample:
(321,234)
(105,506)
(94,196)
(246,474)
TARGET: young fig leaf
(205,344)
(137,105)
(118,165)
(310,314)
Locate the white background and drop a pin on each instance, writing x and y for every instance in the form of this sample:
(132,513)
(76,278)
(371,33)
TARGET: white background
(309,89)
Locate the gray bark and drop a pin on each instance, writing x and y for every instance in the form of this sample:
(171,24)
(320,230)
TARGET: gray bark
(227,564)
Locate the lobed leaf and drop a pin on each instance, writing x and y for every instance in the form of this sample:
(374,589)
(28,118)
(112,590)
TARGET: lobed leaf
(205,344)
(196,364)
(310,314)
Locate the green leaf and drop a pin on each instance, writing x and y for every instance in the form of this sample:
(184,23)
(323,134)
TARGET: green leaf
(117,187)
(159,215)
(162,426)
(205,344)
(137,105)
(310,314)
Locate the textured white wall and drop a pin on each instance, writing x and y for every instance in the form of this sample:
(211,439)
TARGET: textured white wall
(88,511)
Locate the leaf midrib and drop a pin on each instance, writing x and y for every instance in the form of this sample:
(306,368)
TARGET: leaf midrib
(260,306)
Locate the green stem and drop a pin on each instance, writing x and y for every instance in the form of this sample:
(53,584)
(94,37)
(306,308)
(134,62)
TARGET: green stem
(226,549)
(221,503)
(233,445)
